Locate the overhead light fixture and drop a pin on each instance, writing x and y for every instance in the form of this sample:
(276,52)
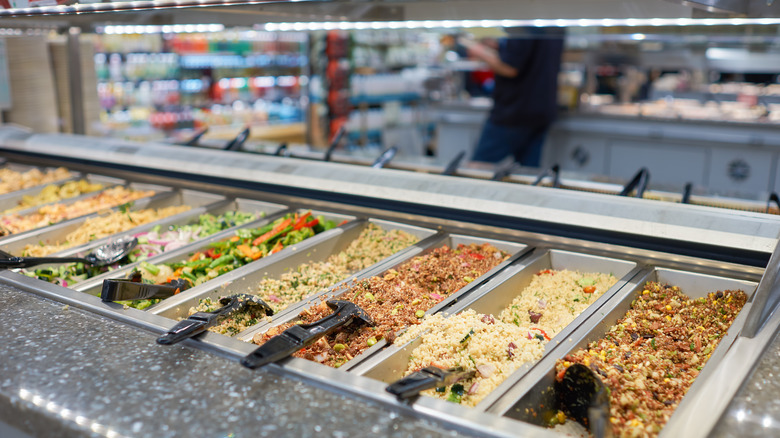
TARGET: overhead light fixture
(560,22)
(151,29)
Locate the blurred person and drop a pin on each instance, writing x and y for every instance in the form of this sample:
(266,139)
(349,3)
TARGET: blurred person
(526,66)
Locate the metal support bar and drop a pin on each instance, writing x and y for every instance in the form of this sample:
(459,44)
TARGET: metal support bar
(75,81)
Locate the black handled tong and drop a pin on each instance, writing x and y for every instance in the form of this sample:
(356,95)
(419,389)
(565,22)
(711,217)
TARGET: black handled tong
(303,335)
(199,322)
(427,378)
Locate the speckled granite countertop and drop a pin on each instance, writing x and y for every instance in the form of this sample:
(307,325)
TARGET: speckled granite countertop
(65,372)
(755,410)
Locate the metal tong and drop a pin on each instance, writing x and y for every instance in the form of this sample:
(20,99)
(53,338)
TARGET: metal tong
(303,335)
(199,322)
(334,143)
(238,141)
(584,396)
(505,170)
(129,289)
(427,378)
(385,157)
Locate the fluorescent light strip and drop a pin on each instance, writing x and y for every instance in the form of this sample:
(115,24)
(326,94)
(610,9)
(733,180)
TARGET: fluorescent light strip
(175,28)
(465,24)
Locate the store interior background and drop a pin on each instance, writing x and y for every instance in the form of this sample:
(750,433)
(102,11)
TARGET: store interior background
(695,101)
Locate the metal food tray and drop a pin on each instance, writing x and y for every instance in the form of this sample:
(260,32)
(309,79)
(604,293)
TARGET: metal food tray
(536,389)
(93,286)
(13,199)
(262,209)
(15,243)
(25,167)
(496,295)
(516,251)
(237,282)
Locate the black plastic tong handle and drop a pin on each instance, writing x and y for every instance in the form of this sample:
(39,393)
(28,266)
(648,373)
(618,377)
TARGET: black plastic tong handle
(236,143)
(505,171)
(26,262)
(554,171)
(133,289)
(335,143)
(452,167)
(302,335)
(638,182)
(773,198)
(199,322)
(427,378)
(584,396)
(193,141)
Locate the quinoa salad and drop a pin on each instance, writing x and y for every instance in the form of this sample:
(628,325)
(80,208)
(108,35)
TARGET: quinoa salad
(651,356)
(396,300)
(475,342)
(495,347)
(373,245)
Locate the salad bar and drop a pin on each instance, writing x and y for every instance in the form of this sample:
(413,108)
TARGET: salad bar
(483,308)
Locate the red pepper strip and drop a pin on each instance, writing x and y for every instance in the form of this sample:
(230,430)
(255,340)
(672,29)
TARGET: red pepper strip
(278,247)
(542,331)
(477,256)
(309,224)
(344,222)
(546,271)
(301,220)
(276,230)
(211,254)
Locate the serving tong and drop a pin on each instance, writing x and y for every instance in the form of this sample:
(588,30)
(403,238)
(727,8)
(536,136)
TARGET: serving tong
(131,289)
(583,396)
(410,386)
(199,322)
(302,335)
(102,255)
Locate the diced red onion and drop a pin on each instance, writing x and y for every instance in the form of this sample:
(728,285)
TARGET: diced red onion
(486,370)
(437,297)
(542,304)
(473,389)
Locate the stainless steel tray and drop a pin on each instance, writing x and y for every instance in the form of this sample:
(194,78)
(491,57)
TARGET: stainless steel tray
(13,199)
(15,243)
(536,389)
(178,307)
(25,167)
(496,295)
(94,285)
(260,208)
(516,251)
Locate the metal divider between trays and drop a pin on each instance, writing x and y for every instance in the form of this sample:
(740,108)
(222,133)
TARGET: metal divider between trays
(95,286)
(516,250)
(496,295)
(14,242)
(535,388)
(185,218)
(241,282)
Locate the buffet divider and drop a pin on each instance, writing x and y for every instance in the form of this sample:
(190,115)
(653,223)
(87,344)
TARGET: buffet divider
(13,199)
(178,307)
(498,294)
(94,286)
(516,251)
(260,208)
(523,401)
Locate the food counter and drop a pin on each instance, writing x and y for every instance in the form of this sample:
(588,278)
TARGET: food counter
(95,369)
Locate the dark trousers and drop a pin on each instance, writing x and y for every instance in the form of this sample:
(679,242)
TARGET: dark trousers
(497,142)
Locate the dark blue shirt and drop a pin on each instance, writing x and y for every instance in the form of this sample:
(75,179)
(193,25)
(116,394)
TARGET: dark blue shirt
(530,98)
